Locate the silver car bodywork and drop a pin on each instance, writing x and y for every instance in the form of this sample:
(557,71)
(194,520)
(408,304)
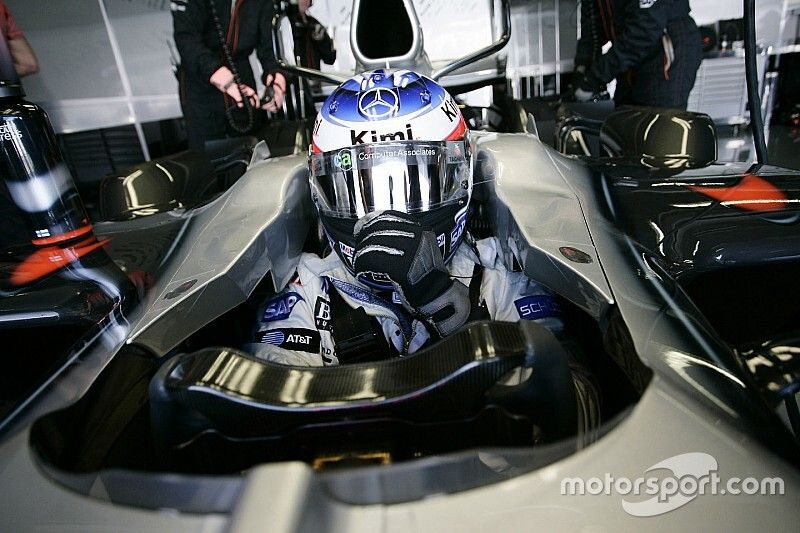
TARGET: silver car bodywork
(540,201)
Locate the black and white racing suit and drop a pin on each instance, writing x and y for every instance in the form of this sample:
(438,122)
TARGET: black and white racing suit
(294,326)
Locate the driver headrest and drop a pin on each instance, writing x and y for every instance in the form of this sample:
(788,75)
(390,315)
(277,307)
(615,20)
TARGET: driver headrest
(659,137)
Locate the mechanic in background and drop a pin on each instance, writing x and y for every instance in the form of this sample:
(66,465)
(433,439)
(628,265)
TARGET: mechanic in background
(312,44)
(655,51)
(22,55)
(206,76)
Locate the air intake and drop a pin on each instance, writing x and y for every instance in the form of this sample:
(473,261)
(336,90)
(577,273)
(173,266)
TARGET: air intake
(386,34)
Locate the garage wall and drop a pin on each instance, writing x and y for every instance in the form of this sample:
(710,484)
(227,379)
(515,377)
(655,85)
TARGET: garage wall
(768,16)
(80,82)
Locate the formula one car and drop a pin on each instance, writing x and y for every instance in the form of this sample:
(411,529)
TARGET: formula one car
(129,404)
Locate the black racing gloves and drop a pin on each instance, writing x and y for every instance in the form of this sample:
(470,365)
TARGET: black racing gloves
(393,244)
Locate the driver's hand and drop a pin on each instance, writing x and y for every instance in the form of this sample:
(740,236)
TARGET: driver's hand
(277,81)
(393,244)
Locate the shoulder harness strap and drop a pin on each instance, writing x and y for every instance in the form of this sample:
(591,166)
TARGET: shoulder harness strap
(358,337)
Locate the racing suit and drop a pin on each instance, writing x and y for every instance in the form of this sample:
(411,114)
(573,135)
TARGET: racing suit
(247,24)
(294,327)
(655,53)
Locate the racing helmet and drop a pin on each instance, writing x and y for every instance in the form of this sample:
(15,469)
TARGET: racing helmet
(390,140)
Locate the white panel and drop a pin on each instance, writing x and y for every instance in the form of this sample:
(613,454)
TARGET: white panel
(709,11)
(78,82)
(144,35)
(721,90)
(543,37)
(72,45)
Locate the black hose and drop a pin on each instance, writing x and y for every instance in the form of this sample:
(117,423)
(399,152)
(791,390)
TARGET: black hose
(248,105)
(751,75)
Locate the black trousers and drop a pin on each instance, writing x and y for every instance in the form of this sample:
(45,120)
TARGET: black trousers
(646,84)
(204,108)
(206,120)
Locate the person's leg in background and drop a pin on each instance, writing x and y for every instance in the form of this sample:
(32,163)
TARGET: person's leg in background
(203,122)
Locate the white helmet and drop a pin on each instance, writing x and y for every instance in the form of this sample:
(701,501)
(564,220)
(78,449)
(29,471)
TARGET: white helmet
(390,140)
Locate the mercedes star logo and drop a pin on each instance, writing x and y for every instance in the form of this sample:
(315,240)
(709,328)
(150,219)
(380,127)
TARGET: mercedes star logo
(378,103)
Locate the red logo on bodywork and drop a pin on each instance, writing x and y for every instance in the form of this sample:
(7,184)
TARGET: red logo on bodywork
(47,260)
(752,193)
